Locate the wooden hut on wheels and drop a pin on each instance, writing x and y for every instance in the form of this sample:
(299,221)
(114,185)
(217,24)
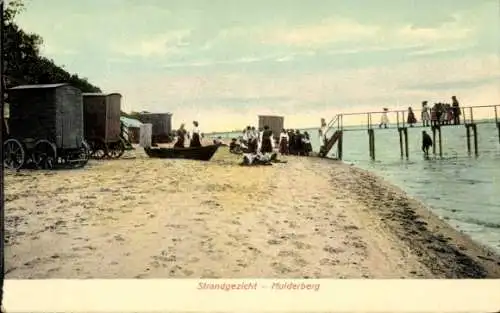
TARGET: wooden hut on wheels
(45,126)
(102,123)
(275,123)
(162,125)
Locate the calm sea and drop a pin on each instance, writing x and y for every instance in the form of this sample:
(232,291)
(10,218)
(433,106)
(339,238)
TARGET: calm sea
(461,189)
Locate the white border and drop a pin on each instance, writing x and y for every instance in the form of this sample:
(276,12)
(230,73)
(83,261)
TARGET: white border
(183,295)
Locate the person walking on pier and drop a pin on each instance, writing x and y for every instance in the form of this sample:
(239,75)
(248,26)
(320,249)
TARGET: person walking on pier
(384,120)
(426,143)
(426,118)
(411,117)
(456,110)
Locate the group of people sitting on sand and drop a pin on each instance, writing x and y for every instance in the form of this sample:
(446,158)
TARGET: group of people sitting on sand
(257,147)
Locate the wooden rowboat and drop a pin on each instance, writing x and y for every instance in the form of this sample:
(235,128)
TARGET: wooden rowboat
(204,153)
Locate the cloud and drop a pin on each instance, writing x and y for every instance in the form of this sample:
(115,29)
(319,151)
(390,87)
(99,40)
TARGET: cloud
(157,45)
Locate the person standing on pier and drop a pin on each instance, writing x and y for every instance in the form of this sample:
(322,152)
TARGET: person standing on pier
(411,117)
(426,143)
(195,136)
(426,119)
(384,120)
(456,110)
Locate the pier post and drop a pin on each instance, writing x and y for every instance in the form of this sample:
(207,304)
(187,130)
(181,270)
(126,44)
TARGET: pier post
(440,143)
(400,131)
(467,137)
(474,131)
(498,127)
(405,132)
(339,145)
(371,143)
(434,139)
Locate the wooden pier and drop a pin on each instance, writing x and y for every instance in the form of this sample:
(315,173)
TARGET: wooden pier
(335,130)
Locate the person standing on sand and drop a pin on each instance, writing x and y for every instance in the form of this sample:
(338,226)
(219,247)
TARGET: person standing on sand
(291,142)
(283,143)
(266,142)
(426,143)
(456,110)
(426,118)
(181,135)
(411,117)
(195,136)
(384,119)
(298,144)
(307,144)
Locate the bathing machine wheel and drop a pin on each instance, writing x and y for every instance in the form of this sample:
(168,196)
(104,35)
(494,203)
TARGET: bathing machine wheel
(82,156)
(98,149)
(44,155)
(14,154)
(116,149)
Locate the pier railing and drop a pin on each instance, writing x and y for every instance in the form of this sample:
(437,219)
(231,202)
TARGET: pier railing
(398,118)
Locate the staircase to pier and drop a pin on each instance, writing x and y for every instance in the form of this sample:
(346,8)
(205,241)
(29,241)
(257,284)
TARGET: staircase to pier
(333,135)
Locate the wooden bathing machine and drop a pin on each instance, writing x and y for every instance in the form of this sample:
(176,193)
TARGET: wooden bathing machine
(162,125)
(45,127)
(52,112)
(102,123)
(275,123)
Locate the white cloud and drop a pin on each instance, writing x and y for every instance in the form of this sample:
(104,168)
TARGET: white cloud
(157,45)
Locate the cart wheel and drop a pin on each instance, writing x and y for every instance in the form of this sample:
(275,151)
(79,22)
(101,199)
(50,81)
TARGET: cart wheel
(83,155)
(98,149)
(116,149)
(14,154)
(44,155)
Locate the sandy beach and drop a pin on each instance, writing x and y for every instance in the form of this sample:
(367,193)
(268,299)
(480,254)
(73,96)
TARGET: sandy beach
(138,217)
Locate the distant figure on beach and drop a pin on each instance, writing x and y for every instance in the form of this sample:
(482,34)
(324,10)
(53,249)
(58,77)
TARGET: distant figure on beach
(283,142)
(307,144)
(291,141)
(426,143)
(181,135)
(299,143)
(266,142)
(234,147)
(195,140)
(218,141)
(411,117)
(456,110)
(426,118)
(384,119)
(434,115)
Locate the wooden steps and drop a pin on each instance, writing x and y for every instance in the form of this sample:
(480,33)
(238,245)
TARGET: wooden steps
(330,143)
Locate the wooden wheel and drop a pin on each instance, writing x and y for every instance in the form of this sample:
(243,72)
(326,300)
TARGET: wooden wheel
(98,149)
(83,155)
(116,149)
(14,154)
(44,155)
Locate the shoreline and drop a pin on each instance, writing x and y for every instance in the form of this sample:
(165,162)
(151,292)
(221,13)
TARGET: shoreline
(152,218)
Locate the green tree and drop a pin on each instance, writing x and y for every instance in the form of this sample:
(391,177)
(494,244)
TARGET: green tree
(23,63)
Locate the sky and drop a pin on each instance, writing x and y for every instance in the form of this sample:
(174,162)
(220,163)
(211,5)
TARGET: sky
(223,63)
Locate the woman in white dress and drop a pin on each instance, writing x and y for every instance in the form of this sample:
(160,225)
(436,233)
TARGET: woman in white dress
(426,117)
(384,120)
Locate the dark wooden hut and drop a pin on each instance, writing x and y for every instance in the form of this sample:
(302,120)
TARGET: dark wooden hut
(275,123)
(162,125)
(53,112)
(102,116)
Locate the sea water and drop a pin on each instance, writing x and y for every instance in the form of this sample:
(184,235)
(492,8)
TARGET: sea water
(461,189)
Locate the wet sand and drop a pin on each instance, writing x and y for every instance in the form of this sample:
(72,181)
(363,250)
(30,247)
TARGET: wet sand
(149,218)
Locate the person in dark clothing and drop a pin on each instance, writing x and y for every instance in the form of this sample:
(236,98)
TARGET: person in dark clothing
(234,147)
(299,143)
(267,140)
(307,144)
(411,117)
(181,135)
(426,143)
(455,106)
(195,136)
(291,142)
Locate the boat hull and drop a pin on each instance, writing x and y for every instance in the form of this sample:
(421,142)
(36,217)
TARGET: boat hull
(204,153)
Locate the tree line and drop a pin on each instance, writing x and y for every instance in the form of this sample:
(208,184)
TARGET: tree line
(23,63)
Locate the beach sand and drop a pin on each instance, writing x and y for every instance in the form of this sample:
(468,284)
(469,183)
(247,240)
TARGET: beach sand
(138,217)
